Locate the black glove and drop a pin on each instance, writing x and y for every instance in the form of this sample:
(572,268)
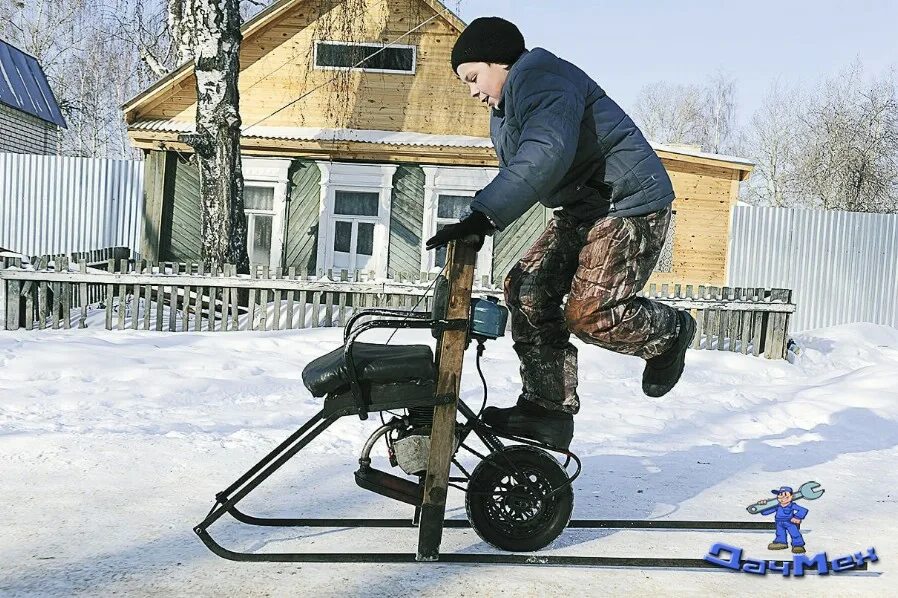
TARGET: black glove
(476,226)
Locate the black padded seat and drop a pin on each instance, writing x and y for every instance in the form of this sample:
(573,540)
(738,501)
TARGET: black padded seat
(386,396)
(374,363)
(390,377)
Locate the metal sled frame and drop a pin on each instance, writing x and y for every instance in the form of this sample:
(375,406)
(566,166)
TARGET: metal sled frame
(429,516)
(226,503)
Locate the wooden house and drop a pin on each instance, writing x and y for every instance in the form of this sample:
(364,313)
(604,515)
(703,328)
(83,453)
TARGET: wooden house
(355,166)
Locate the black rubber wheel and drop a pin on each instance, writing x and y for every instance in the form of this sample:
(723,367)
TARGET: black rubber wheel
(508,510)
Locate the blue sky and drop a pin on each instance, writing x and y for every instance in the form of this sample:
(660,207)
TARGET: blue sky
(625,45)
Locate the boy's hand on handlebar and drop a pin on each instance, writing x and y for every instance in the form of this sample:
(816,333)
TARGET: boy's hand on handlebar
(473,229)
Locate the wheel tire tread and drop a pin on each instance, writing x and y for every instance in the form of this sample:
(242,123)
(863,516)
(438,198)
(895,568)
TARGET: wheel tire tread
(564,500)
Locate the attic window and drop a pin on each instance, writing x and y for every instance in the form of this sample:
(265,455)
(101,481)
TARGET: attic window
(346,55)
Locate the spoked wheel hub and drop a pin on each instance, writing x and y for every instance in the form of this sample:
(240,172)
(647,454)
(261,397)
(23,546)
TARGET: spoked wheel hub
(518,504)
(512,501)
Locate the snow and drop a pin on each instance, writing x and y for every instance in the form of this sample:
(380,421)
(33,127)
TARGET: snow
(113,444)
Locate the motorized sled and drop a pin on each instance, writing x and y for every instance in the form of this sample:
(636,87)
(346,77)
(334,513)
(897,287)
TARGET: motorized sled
(518,498)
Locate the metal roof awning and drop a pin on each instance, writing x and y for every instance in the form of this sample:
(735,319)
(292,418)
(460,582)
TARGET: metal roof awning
(327,134)
(412,139)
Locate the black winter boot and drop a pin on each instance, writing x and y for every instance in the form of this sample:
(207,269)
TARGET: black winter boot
(663,371)
(527,419)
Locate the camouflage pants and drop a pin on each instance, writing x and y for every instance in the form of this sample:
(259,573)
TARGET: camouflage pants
(600,266)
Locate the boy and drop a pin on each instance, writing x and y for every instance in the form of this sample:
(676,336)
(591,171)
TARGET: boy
(563,142)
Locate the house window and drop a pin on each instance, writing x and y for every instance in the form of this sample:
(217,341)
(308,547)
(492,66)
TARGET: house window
(448,192)
(365,57)
(356,214)
(354,217)
(264,203)
(258,205)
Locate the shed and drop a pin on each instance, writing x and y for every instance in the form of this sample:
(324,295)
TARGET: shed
(29,115)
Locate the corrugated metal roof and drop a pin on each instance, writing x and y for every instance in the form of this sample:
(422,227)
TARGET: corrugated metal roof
(24,86)
(328,134)
(375,136)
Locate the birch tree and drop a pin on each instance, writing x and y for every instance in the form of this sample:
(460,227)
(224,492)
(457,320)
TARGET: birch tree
(181,21)
(215,47)
(719,113)
(142,27)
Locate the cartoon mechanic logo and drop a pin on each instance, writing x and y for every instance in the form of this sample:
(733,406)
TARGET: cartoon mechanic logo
(789,514)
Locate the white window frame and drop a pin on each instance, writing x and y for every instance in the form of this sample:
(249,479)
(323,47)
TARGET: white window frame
(315,65)
(272,173)
(454,180)
(366,178)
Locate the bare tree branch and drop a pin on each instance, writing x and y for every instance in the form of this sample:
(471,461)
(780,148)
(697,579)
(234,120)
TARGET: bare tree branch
(702,116)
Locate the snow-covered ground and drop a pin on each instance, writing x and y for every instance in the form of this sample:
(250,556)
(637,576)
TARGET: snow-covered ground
(112,445)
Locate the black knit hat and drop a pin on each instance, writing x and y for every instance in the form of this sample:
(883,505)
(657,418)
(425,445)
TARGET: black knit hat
(488,39)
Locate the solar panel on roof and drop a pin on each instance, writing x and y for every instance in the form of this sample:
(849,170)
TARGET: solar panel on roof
(24,86)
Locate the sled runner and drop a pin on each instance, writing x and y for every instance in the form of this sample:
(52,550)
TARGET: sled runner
(518,498)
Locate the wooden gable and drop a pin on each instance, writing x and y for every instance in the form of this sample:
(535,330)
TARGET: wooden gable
(277,69)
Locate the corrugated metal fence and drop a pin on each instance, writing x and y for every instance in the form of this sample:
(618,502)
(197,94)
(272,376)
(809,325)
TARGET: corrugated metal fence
(55,204)
(841,266)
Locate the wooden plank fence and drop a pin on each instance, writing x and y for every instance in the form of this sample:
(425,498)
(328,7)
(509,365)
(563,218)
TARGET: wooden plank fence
(171,296)
(745,320)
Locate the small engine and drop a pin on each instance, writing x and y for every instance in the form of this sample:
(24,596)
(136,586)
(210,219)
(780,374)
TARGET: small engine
(412,451)
(409,444)
(410,447)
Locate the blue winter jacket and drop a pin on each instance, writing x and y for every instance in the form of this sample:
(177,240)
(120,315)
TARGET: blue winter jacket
(562,141)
